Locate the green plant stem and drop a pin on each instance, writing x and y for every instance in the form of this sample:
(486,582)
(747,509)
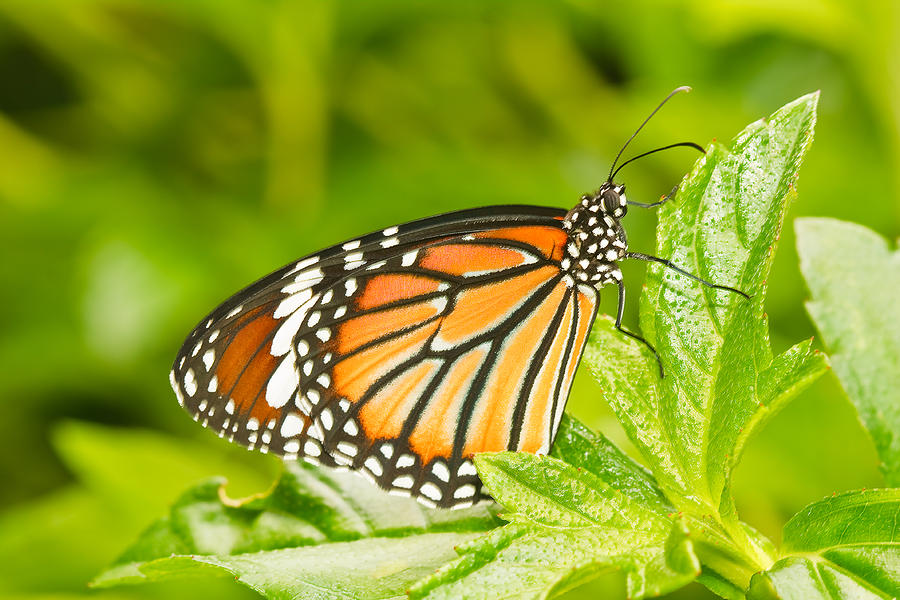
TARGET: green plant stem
(728,548)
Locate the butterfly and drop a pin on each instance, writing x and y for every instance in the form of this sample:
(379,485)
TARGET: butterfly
(403,353)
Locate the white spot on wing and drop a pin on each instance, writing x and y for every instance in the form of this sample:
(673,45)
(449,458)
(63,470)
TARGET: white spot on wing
(347,448)
(464,491)
(374,466)
(404,481)
(440,471)
(439,303)
(326,419)
(310,277)
(466,468)
(391,231)
(282,383)
(208,358)
(409,258)
(284,336)
(234,311)
(431,491)
(292,303)
(306,262)
(292,426)
(190,382)
(175,387)
(351,245)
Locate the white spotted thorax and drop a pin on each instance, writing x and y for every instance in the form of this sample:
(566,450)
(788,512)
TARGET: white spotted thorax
(597,239)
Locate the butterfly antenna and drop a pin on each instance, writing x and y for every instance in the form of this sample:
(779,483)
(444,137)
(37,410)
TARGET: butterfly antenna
(654,151)
(683,88)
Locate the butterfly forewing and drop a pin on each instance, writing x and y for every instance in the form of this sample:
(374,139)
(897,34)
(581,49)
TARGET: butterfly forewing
(400,354)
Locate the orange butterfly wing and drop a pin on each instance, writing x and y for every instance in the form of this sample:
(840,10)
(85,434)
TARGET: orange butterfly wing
(402,354)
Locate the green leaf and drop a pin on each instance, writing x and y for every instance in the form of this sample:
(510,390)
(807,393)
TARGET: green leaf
(569,523)
(365,568)
(847,546)
(722,382)
(854,278)
(289,541)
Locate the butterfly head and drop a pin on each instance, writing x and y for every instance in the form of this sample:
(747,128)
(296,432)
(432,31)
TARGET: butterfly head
(608,201)
(611,199)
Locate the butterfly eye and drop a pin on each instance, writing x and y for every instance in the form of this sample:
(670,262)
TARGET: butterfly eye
(611,201)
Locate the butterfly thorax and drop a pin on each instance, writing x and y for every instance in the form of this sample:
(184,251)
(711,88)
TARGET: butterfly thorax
(597,239)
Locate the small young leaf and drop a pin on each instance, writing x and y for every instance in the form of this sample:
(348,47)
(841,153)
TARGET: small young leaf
(568,523)
(854,279)
(721,380)
(847,546)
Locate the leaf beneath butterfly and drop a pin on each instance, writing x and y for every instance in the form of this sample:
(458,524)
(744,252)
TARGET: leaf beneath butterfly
(854,278)
(847,546)
(300,539)
(569,522)
(722,382)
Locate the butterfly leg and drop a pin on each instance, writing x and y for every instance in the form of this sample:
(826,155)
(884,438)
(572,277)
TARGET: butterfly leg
(668,264)
(635,336)
(662,200)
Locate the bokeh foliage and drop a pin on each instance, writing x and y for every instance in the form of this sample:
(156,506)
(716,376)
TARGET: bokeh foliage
(156,156)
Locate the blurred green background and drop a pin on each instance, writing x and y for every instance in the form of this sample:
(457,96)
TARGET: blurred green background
(157,156)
